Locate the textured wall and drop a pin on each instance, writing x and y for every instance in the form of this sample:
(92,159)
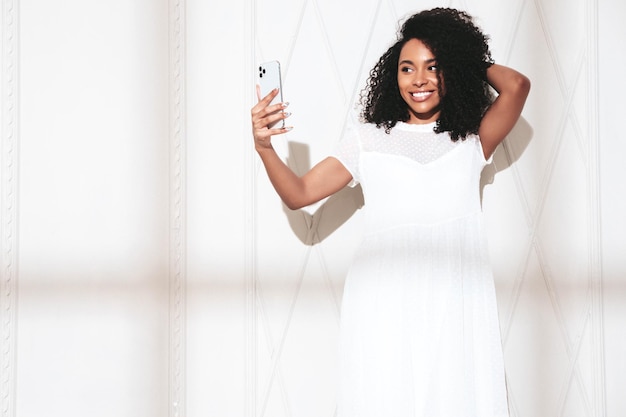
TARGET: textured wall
(148,268)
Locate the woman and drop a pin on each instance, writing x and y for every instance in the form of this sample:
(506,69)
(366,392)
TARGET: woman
(419,326)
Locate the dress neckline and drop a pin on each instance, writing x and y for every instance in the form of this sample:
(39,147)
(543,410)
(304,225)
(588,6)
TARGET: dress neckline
(413,127)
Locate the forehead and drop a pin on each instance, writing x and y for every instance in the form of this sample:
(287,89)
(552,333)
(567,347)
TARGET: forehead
(415,49)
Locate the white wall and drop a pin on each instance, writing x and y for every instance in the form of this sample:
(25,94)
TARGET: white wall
(85,213)
(148,269)
(612,59)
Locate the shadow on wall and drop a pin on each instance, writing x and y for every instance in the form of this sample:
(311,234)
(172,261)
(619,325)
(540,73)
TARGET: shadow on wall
(507,153)
(313,225)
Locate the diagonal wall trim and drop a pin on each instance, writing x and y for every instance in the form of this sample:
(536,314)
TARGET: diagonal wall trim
(551,46)
(573,373)
(292,47)
(177,240)
(9,205)
(278,350)
(329,49)
(362,68)
(515,31)
(593,394)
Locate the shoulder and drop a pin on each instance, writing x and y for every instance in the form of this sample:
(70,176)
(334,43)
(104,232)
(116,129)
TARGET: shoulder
(366,129)
(362,132)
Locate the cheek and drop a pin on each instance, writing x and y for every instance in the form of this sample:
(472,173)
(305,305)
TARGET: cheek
(442,85)
(401,89)
(400,81)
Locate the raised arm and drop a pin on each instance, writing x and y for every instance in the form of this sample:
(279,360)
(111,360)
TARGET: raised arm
(512,88)
(324,179)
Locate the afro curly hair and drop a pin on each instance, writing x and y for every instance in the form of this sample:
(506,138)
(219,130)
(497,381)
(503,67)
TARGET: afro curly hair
(463,56)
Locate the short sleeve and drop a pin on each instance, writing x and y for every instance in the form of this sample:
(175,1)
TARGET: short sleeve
(348,150)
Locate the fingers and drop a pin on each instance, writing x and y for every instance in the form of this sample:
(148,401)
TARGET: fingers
(263,106)
(268,98)
(276,119)
(263,136)
(276,131)
(265,120)
(266,116)
(263,111)
(263,114)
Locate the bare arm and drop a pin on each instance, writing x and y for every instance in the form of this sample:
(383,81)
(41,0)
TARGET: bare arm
(324,179)
(512,88)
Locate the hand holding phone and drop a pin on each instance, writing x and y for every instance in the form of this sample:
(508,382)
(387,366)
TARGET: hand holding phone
(269,78)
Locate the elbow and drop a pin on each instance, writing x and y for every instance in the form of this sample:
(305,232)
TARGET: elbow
(297,198)
(522,85)
(292,205)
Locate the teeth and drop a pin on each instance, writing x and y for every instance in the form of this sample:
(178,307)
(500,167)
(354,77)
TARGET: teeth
(421,94)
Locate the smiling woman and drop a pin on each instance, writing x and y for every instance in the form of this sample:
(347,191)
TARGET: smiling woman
(462,55)
(419,324)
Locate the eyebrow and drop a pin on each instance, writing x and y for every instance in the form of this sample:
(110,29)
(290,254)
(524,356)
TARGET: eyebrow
(409,62)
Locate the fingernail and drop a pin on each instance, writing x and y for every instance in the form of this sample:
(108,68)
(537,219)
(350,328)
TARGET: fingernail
(288,128)
(287,114)
(285,104)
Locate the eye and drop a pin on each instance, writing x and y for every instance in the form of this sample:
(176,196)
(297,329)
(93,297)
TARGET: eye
(434,67)
(406,69)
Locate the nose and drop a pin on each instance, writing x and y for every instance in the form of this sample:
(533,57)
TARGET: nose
(420,79)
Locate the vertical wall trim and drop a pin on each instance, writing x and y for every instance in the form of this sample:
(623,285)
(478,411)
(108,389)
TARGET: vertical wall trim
(595,232)
(177,240)
(250,229)
(9,205)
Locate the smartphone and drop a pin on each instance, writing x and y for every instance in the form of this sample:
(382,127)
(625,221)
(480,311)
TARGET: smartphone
(269,78)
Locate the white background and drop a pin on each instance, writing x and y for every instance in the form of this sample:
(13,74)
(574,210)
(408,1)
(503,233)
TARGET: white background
(148,268)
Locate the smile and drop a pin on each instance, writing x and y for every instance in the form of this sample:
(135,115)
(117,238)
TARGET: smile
(421,95)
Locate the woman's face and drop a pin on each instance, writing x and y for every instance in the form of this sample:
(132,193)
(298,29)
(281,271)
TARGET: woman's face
(418,82)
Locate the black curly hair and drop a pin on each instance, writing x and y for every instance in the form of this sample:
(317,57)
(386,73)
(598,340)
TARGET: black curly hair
(463,56)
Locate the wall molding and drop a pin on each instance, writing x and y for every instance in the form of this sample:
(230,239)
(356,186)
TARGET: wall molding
(178,205)
(598,394)
(250,230)
(9,153)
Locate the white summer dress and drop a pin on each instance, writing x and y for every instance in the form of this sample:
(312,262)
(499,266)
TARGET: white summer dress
(420,335)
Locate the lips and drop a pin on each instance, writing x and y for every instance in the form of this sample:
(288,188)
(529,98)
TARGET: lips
(421,95)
